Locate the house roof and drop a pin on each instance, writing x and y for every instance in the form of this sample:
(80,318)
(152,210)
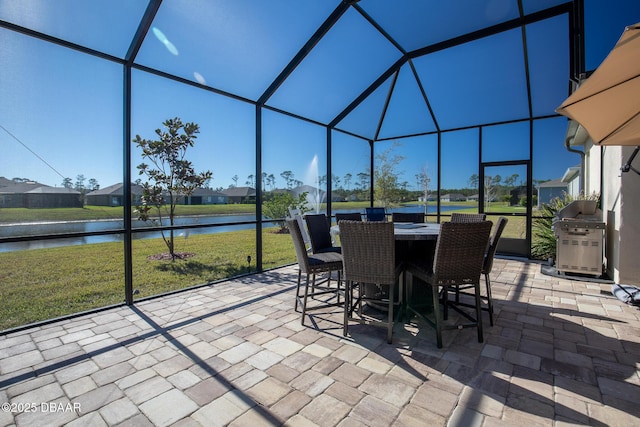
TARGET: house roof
(571,173)
(207,192)
(240,192)
(115,190)
(9,186)
(44,189)
(557,183)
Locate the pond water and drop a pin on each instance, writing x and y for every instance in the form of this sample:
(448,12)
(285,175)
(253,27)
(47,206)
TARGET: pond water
(43,228)
(34,229)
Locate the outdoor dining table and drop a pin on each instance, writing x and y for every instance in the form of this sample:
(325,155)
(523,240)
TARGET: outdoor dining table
(416,231)
(413,240)
(407,231)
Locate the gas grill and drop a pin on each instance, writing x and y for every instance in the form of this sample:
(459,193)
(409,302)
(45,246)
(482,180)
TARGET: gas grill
(579,232)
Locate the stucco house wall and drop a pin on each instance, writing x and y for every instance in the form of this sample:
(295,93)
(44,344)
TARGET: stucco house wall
(621,205)
(593,170)
(620,199)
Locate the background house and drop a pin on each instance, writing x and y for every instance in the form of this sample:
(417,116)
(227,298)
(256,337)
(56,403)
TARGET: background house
(32,194)
(549,190)
(453,197)
(313,191)
(113,195)
(204,196)
(12,192)
(240,194)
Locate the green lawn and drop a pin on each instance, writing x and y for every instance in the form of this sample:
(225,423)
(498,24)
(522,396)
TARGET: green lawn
(41,284)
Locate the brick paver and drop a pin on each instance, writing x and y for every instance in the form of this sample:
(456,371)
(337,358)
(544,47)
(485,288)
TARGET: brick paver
(562,352)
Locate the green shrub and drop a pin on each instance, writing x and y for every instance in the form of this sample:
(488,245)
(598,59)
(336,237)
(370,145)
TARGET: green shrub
(523,201)
(277,207)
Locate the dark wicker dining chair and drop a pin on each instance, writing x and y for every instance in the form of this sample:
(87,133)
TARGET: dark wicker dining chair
(458,260)
(467,217)
(375,214)
(407,217)
(348,216)
(487,266)
(369,259)
(296,214)
(488,261)
(310,265)
(320,233)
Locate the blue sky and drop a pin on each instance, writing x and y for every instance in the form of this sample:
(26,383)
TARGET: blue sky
(62,112)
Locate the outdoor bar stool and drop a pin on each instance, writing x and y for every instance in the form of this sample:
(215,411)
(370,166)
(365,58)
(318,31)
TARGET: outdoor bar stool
(369,259)
(310,265)
(487,266)
(320,233)
(488,261)
(467,217)
(458,260)
(296,214)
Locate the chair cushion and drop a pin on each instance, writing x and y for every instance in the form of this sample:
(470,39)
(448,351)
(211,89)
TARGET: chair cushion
(375,214)
(319,231)
(330,249)
(325,258)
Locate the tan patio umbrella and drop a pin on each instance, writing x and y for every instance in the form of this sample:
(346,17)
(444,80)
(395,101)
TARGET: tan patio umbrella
(607,104)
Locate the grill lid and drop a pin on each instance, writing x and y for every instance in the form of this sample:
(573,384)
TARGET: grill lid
(579,214)
(583,209)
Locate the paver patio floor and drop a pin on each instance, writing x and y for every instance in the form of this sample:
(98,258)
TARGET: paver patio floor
(562,352)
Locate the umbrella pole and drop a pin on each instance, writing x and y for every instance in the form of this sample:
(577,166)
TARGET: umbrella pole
(627,166)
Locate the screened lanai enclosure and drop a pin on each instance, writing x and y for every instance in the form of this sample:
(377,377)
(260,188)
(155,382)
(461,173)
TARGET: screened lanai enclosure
(432,107)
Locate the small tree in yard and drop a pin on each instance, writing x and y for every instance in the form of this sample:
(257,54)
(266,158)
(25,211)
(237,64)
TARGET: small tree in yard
(386,177)
(170,176)
(423,184)
(277,207)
